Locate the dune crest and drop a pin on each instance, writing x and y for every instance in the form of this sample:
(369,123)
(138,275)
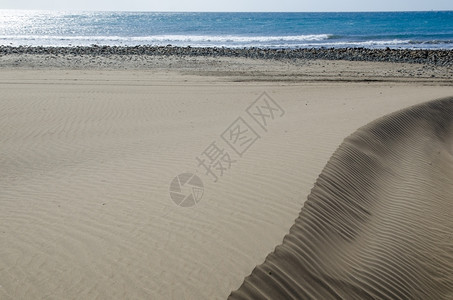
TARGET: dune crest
(378,224)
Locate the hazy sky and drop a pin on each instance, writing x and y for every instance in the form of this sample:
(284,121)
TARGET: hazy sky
(230,5)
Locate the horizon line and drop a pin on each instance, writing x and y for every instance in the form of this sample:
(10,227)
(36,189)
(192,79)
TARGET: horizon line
(213,11)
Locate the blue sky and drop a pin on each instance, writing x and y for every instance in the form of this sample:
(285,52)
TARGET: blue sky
(230,5)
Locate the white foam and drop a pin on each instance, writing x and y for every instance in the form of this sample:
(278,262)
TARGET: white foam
(179,40)
(231,41)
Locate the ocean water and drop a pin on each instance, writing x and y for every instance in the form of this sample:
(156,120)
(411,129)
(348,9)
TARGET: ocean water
(415,30)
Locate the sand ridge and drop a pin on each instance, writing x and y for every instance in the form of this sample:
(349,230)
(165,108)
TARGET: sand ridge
(378,222)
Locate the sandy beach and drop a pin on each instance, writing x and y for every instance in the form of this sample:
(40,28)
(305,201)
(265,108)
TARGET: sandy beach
(89,147)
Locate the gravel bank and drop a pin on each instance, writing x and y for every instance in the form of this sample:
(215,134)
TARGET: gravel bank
(432,57)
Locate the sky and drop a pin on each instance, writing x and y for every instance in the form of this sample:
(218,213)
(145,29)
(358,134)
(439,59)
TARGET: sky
(230,5)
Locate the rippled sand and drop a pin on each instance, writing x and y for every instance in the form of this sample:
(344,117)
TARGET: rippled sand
(87,157)
(378,224)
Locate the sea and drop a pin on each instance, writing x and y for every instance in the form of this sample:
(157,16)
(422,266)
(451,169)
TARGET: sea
(410,30)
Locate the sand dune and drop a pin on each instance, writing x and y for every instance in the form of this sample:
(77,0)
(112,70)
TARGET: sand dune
(87,157)
(378,223)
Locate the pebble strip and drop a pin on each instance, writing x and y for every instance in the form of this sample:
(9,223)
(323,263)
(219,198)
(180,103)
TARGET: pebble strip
(433,57)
